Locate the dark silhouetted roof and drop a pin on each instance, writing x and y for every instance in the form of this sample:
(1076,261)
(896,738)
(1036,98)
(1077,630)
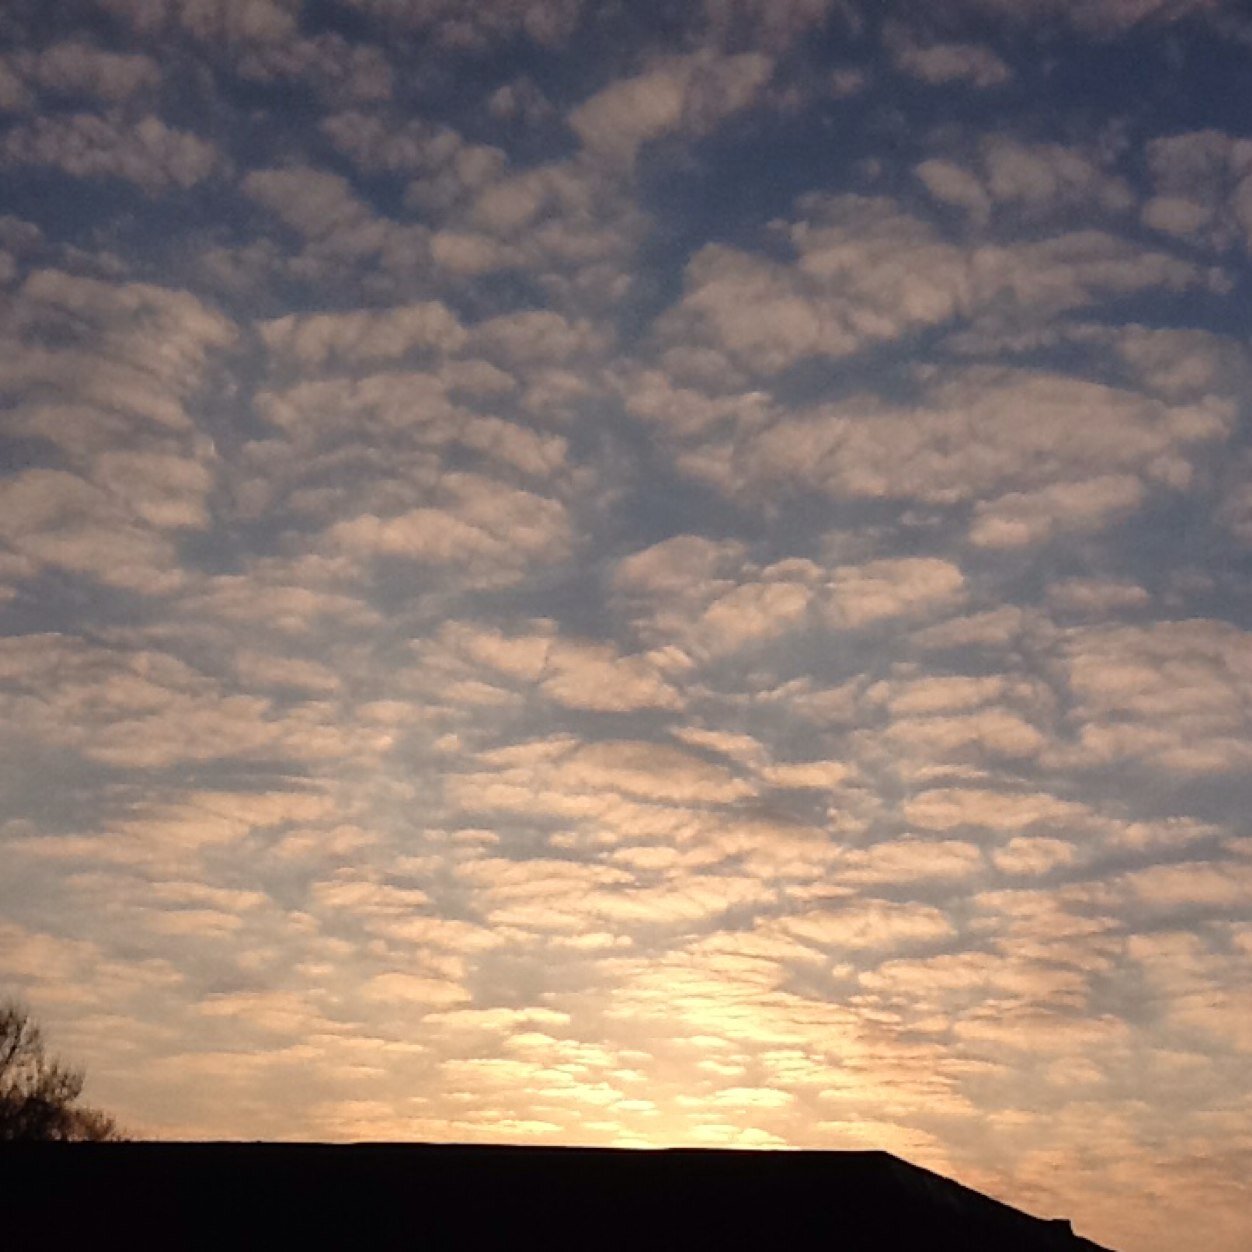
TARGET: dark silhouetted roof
(369,1196)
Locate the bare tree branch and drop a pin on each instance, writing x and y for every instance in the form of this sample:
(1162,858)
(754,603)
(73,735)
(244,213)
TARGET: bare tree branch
(38,1093)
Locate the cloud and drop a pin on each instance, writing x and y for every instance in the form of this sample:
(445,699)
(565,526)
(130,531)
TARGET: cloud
(1166,695)
(948,808)
(565,896)
(1201,989)
(323,208)
(952,445)
(166,491)
(1096,597)
(1203,186)
(753,611)
(991,629)
(75,68)
(54,519)
(958,982)
(1193,886)
(708,577)
(243,21)
(951,183)
(520,101)
(502,1020)
(773,24)
(941,695)
(14,94)
(365,897)
(344,239)
(649,771)
(116,411)
(1027,857)
(941,722)
(575,673)
(942,63)
(867,272)
(674,564)
(570,224)
(376,144)
(145,709)
(1236,509)
(363,337)
(274,1012)
(538,336)
(689,94)
(1102,17)
(546,22)
(991,732)
(709,599)
(399,987)
(593,677)
(910,861)
(118,321)
(908,586)
(871,924)
(283,598)
(415,416)
(1023,518)
(173,835)
(1037,180)
(149,153)
(340,71)
(1181,365)
(473,522)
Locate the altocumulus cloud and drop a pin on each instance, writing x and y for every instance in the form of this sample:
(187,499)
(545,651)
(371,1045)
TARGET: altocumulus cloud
(562,584)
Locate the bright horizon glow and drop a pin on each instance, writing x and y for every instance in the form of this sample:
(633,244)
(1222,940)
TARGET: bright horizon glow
(639,574)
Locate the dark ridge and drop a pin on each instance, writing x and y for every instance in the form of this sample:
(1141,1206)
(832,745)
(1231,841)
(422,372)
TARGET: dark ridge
(368,1196)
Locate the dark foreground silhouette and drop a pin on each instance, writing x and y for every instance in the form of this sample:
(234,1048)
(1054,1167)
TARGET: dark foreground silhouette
(367,1196)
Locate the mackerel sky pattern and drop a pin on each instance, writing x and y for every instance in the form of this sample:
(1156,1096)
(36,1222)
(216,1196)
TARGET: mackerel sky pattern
(603,573)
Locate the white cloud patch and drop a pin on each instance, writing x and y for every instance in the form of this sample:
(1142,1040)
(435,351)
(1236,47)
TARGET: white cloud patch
(910,861)
(360,337)
(942,63)
(1203,184)
(243,21)
(916,586)
(1027,857)
(1036,180)
(377,144)
(690,94)
(577,674)
(56,519)
(146,709)
(709,599)
(866,272)
(871,924)
(113,403)
(1031,476)
(569,223)
(75,68)
(1023,518)
(347,73)
(1168,695)
(472,520)
(157,157)
(546,22)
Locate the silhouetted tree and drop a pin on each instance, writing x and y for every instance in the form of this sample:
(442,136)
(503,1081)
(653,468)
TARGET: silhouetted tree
(38,1094)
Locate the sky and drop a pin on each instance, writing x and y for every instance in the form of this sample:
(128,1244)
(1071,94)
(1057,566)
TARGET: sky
(639,574)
